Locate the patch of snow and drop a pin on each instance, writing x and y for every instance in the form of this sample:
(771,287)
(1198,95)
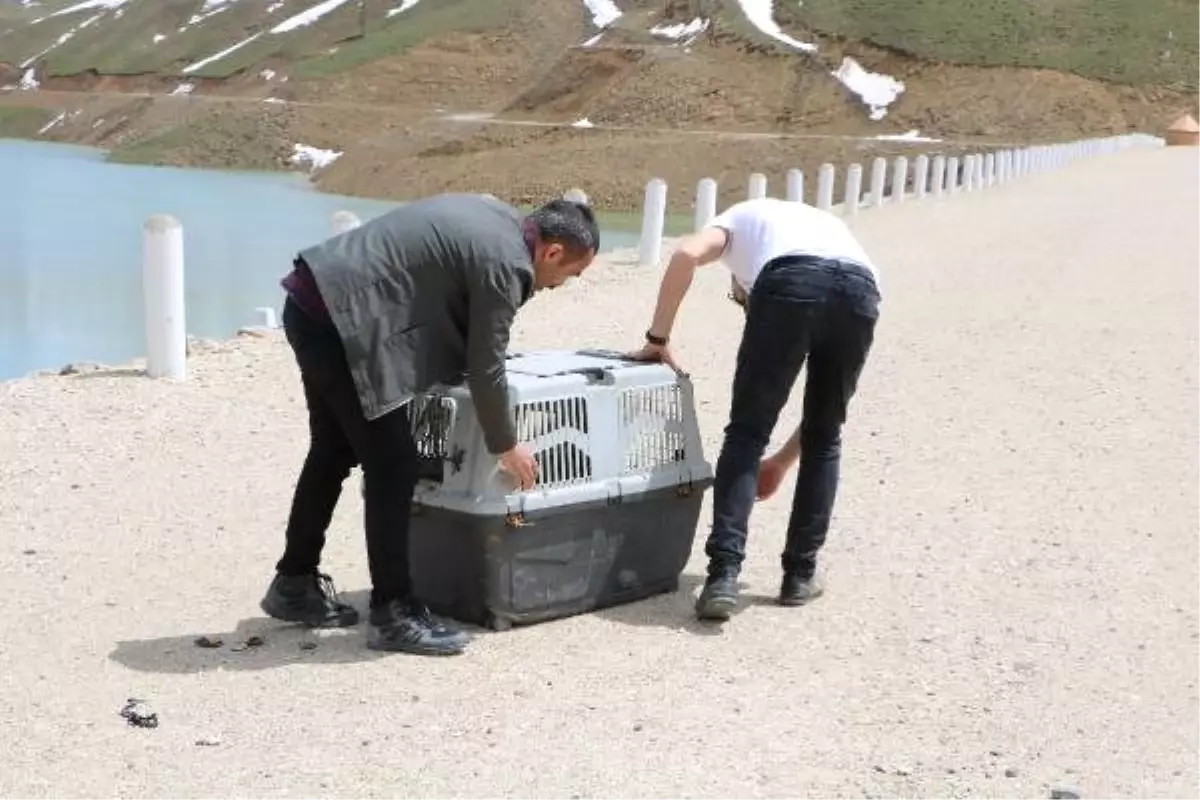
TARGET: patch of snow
(274,100)
(604,12)
(314,157)
(592,42)
(761,15)
(583,123)
(267,74)
(210,8)
(309,16)
(97,123)
(183,88)
(876,90)
(28,81)
(84,6)
(683,32)
(912,136)
(158,37)
(218,56)
(61,116)
(405,5)
(63,39)
(271,9)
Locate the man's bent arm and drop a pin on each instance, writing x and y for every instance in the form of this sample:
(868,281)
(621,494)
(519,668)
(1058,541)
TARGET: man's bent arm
(789,453)
(700,248)
(495,295)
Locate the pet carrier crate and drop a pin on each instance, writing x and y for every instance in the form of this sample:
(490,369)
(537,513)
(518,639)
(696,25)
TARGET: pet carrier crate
(621,477)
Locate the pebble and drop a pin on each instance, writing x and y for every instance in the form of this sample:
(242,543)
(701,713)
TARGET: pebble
(209,642)
(1065,793)
(1011,772)
(208,741)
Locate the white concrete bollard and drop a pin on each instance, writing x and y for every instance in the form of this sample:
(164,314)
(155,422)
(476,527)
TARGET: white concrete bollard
(344,221)
(921,176)
(706,202)
(795,186)
(853,190)
(825,178)
(878,181)
(989,169)
(899,179)
(267,315)
(938,178)
(758,186)
(654,217)
(576,195)
(969,172)
(162,290)
(1006,165)
(951,174)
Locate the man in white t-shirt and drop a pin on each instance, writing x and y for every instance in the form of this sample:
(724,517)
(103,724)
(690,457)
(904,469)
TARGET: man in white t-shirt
(811,294)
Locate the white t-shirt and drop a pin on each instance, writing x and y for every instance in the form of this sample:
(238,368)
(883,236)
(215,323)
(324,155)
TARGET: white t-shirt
(764,229)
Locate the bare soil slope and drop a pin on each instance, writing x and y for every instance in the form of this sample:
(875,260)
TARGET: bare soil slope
(468,94)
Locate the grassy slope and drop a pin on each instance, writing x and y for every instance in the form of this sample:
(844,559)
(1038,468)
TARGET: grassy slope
(1141,42)
(21,122)
(125,45)
(1138,42)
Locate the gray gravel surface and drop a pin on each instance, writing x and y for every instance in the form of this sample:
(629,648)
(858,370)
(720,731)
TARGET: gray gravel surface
(1012,599)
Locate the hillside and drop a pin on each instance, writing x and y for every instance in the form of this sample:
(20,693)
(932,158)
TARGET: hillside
(523,97)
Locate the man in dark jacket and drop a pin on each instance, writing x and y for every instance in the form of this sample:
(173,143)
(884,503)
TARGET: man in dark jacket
(417,297)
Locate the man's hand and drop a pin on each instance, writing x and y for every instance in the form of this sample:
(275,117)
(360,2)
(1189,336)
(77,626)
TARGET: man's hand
(656,352)
(521,466)
(771,472)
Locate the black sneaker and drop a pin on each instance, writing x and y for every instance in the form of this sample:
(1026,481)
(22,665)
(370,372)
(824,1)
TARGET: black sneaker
(310,599)
(718,598)
(797,590)
(406,626)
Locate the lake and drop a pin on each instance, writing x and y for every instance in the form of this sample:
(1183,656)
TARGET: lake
(71,241)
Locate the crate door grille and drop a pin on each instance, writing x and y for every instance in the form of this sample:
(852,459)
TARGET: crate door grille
(652,433)
(431,419)
(557,432)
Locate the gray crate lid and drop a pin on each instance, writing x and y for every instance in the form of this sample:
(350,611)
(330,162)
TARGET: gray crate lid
(549,363)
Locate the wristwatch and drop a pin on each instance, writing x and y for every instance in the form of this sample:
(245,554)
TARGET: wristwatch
(657,341)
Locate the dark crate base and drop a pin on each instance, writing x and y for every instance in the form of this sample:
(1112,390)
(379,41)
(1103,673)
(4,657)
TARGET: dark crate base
(560,562)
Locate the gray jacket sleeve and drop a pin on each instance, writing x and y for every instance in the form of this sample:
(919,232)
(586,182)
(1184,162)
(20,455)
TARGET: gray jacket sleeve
(495,292)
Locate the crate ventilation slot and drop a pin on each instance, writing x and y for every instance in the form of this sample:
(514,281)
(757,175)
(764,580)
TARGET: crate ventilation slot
(557,433)
(652,432)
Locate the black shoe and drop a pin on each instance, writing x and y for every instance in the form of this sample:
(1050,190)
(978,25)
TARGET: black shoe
(718,598)
(797,590)
(310,599)
(406,626)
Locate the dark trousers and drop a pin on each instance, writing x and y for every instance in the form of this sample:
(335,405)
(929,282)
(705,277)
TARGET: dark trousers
(799,309)
(342,438)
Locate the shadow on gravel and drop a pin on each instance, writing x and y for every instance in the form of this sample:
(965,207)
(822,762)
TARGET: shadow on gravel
(256,643)
(677,611)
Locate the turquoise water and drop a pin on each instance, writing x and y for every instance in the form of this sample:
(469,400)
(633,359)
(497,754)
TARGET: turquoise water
(70,249)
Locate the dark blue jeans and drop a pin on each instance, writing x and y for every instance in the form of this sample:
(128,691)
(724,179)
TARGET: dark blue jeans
(799,309)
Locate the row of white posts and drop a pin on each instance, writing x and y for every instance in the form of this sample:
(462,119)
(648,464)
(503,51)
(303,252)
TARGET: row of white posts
(162,285)
(938,177)
(162,271)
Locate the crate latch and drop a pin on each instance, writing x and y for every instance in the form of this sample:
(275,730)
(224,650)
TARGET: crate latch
(686,489)
(515,517)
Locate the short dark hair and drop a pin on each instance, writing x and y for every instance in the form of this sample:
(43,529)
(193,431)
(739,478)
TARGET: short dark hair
(566,222)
